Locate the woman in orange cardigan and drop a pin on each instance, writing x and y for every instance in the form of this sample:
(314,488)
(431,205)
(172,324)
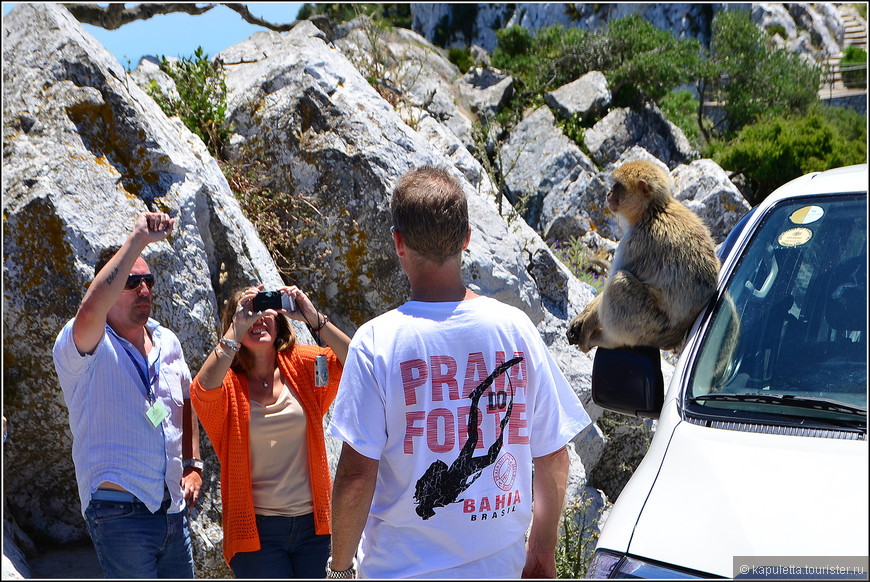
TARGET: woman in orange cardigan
(262,404)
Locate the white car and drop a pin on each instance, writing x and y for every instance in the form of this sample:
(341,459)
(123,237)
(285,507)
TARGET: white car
(760,452)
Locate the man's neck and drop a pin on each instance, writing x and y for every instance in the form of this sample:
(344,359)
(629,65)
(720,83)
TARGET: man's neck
(431,282)
(137,335)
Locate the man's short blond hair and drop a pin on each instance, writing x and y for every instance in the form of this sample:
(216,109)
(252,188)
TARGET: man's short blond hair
(430,211)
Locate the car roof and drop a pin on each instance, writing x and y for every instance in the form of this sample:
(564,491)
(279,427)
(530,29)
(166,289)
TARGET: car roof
(836,181)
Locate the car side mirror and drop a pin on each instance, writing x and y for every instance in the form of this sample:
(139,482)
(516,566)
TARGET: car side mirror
(629,381)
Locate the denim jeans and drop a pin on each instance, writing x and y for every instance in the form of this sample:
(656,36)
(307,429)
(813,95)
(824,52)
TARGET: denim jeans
(132,542)
(289,548)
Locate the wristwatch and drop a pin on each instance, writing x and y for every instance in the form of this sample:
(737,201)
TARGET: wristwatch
(194,462)
(349,573)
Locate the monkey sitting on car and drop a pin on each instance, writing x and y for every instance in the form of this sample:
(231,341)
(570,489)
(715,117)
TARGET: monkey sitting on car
(664,271)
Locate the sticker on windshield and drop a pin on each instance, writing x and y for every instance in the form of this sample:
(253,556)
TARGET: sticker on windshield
(807,215)
(795,237)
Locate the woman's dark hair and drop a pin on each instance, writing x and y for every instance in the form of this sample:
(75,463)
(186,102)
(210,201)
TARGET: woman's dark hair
(285,337)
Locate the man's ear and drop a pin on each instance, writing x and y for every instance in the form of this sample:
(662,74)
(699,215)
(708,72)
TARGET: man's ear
(398,242)
(467,239)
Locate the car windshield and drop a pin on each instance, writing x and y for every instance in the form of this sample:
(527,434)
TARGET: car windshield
(788,336)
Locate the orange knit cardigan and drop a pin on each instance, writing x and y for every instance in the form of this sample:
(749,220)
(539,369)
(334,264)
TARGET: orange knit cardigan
(225,414)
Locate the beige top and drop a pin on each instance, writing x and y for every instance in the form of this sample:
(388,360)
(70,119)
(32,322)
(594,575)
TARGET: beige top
(280,475)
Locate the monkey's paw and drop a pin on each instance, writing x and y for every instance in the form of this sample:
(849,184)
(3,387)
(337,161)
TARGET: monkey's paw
(580,334)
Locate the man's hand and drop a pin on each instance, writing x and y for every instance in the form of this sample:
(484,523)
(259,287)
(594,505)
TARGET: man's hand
(191,483)
(153,226)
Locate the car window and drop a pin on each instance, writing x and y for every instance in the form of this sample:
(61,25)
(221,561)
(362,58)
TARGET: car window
(788,337)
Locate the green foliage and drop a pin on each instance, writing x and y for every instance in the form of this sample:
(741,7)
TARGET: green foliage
(640,60)
(573,129)
(461,58)
(853,67)
(777,29)
(542,62)
(752,78)
(577,539)
(681,108)
(779,149)
(202,87)
(392,14)
(647,60)
(575,255)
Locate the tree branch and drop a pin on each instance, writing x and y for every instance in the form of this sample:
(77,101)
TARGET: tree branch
(246,15)
(116,15)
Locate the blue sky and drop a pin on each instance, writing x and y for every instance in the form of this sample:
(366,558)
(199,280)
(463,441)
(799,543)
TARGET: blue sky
(178,35)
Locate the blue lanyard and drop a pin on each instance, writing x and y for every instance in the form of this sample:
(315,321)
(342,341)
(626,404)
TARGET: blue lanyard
(149,388)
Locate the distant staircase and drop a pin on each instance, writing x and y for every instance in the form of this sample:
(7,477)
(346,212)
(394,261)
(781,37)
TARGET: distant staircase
(855,35)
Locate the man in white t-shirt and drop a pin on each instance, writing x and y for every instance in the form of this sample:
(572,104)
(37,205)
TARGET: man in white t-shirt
(446,404)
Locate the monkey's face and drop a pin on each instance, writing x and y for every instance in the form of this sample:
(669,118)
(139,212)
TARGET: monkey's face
(626,202)
(616,194)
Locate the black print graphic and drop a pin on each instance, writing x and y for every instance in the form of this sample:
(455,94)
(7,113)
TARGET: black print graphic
(441,485)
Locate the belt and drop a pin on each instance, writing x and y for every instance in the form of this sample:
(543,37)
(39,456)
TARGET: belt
(122,496)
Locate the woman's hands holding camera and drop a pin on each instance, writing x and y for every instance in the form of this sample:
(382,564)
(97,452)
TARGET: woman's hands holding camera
(302,308)
(305,310)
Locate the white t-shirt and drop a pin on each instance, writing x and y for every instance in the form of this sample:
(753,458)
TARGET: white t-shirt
(415,377)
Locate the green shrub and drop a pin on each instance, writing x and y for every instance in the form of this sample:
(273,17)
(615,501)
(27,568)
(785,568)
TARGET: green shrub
(779,149)
(751,77)
(853,67)
(777,29)
(681,109)
(541,62)
(645,60)
(578,536)
(639,60)
(461,58)
(202,87)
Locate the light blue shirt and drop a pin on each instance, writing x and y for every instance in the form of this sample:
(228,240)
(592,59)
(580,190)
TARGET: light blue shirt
(107,399)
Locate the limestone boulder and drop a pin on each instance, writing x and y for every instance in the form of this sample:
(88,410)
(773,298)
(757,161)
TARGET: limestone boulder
(537,157)
(648,128)
(583,97)
(705,188)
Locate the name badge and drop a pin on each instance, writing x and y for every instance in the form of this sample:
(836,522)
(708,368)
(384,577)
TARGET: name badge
(156,413)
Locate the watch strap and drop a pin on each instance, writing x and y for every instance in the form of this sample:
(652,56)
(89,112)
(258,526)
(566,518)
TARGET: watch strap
(194,462)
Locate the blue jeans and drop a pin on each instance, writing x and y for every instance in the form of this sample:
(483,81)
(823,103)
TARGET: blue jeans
(289,548)
(132,542)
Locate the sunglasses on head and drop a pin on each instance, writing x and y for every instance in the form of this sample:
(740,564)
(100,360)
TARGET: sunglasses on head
(134,281)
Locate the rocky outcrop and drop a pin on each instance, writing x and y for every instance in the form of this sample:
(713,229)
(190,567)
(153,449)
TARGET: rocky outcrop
(624,128)
(582,98)
(535,159)
(705,188)
(86,150)
(463,25)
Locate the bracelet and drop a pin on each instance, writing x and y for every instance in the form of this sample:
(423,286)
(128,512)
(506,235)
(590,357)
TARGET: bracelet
(218,350)
(322,323)
(349,573)
(230,344)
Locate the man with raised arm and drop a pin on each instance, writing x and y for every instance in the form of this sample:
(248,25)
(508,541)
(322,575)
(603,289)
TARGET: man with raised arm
(135,434)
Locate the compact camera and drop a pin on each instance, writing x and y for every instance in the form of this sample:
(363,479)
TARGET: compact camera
(273,300)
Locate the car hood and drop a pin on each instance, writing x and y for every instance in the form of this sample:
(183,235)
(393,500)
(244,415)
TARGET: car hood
(723,493)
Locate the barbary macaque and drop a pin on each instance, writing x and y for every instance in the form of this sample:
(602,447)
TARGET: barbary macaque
(664,271)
